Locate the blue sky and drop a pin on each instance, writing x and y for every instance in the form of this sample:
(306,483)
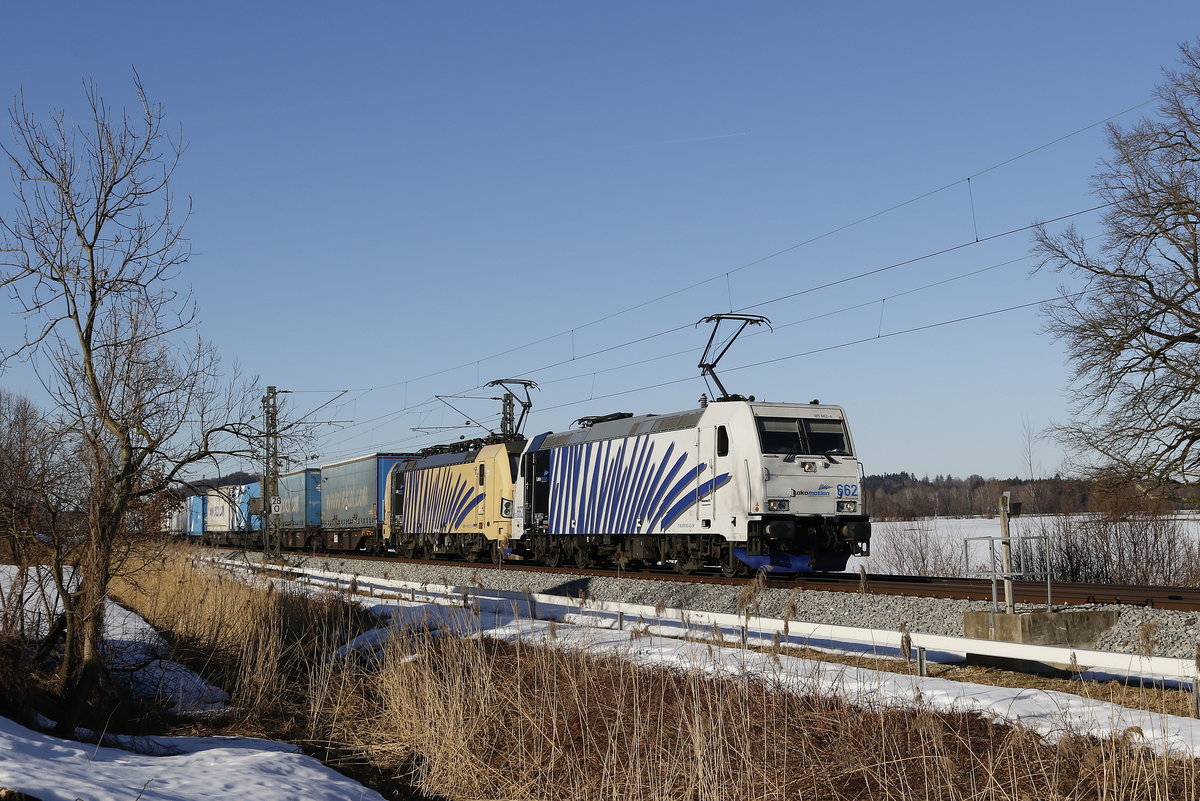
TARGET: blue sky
(397,199)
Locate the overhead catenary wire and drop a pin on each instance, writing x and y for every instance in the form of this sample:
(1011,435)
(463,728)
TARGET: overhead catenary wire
(810,352)
(816,238)
(382,419)
(824,349)
(406,408)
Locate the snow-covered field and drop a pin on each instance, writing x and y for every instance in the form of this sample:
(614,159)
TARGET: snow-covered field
(960,545)
(185,768)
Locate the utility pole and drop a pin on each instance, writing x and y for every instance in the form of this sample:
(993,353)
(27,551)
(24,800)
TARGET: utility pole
(271,544)
(1006,554)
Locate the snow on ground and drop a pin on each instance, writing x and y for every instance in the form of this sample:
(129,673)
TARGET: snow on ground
(954,545)
(193,768)
(1050,714)
(135,650)
(155,768)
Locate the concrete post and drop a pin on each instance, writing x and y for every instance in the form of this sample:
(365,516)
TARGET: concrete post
(1006,554)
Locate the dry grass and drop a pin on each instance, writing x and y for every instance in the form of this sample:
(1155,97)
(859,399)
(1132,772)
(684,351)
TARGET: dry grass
(268,647)
(464,718)
(476,719)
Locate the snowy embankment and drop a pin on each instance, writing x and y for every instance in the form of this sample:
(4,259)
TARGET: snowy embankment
(189,768)
(165,768)
(648,641)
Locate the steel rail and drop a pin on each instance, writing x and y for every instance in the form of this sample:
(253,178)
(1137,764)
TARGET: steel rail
(1025,592)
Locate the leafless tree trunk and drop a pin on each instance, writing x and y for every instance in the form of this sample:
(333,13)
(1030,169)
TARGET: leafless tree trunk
(93,250)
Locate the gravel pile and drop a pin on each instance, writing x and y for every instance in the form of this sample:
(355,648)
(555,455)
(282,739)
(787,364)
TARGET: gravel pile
(1139,630)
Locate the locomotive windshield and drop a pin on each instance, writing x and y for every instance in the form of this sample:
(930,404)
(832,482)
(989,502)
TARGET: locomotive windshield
(790,435)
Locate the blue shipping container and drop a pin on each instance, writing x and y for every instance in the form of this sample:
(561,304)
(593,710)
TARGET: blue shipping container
(300,499)
(350,490)
(197,509)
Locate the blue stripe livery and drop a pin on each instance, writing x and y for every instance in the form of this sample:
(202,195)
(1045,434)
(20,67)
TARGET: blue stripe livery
(437,501)
(622,487)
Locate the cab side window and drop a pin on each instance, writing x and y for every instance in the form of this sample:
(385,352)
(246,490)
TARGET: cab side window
(722,441)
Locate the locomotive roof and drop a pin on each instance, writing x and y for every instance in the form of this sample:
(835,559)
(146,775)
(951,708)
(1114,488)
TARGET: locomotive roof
(654,423)
(625,427)
(443,458)
(438,460)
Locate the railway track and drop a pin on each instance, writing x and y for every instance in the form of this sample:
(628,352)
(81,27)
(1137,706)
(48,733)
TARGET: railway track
(1028,592)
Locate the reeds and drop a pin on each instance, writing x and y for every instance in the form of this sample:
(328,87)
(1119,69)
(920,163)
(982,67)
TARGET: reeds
(467,717)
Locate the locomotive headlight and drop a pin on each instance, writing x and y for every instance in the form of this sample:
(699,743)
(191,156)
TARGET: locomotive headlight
(777,505)
(847,506)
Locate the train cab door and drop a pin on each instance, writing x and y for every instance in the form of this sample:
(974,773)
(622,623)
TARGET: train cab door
(535,478)
(713,453)
(706,455)
(481,508)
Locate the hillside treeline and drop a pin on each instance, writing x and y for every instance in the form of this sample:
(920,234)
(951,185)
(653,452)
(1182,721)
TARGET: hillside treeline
(903,496)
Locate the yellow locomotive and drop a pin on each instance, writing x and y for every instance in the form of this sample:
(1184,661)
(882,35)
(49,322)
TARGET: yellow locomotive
(452,501)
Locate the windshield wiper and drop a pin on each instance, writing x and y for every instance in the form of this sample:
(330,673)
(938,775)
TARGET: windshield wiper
(829,454)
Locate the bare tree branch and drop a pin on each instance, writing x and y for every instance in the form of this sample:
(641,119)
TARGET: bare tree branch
(92,255)
(1133,338)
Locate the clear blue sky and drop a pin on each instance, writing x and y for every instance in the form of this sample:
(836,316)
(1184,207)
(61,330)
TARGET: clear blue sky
(397,198)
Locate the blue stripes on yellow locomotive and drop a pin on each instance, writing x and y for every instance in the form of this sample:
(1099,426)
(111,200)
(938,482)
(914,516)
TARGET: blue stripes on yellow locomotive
(438,500)
(620,487)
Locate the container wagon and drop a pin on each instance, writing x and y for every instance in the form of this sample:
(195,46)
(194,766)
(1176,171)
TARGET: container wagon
(227,520)
(197,509)
(351,511)
(300,509)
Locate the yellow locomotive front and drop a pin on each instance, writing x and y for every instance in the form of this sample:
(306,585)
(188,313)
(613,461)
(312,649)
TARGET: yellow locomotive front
(452,502)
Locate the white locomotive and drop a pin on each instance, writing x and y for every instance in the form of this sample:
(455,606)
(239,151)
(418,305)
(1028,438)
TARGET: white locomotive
(736,483)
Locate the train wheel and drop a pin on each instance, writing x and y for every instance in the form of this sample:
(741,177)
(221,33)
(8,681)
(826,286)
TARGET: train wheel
(686,566)
(553,557)
(583,555)
(497,553)
(732,567)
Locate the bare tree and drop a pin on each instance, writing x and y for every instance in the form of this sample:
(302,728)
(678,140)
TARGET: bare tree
(93,250)
(1133,333)
(37,511)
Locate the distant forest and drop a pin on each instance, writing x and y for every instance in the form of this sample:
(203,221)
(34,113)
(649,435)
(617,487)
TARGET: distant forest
(903,496)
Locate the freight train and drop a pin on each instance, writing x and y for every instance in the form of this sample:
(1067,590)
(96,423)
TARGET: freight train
(735,484)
